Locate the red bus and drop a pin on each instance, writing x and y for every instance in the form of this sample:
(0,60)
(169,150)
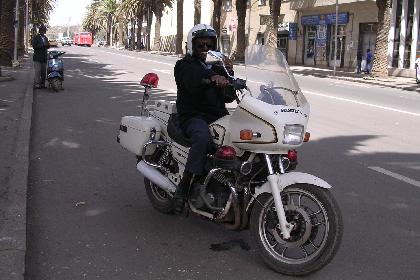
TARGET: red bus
(76,38)
(83,39)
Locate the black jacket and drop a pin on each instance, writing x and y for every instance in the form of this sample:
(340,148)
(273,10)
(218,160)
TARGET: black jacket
(41,47)
(196,99)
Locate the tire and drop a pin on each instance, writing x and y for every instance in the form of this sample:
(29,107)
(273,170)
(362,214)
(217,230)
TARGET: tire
(56,84)
(160,200)
(304,252)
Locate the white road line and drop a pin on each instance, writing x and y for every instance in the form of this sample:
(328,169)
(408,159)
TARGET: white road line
(395,175)
(363,103)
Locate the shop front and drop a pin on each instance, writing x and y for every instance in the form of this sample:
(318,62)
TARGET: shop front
(319,39)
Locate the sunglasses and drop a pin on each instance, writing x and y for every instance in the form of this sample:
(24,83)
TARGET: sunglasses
(209,45)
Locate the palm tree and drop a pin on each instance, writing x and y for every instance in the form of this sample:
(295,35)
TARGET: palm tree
(197,11)
(179,26)
(94,20)
(6,32)
(239,54)
(109,7)
(217,14)
(272,24)
(380,63)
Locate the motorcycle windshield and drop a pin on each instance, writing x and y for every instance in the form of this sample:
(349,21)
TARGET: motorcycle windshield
(269,78)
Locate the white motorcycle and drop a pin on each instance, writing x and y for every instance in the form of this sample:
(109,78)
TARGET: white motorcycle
(294,220)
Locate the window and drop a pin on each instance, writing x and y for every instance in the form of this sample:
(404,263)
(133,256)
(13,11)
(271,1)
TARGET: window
(227,5)
(262,2)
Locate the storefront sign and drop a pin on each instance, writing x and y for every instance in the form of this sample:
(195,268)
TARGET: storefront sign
(343,18)
(293,30)
(283,26)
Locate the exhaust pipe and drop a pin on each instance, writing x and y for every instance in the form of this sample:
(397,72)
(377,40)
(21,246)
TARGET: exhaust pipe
(156,177)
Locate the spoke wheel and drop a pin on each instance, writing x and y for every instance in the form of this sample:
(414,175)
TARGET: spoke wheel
(316,234)
(160,200)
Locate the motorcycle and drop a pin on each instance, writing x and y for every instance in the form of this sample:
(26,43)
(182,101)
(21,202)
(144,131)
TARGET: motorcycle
(55,70)
(294,221)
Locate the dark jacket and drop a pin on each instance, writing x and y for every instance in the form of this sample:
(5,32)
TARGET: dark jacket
(41,46)
(196,99)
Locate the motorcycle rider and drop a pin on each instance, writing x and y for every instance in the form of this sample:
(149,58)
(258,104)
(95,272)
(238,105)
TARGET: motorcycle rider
(199,104)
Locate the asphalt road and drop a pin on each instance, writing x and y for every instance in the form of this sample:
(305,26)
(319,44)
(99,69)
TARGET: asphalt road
(89,218)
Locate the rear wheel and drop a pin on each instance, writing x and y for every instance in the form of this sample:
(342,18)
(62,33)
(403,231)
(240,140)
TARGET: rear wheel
(160,199)
(56,84)
(316,235)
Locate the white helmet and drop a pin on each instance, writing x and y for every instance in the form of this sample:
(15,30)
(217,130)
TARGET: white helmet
(200,31)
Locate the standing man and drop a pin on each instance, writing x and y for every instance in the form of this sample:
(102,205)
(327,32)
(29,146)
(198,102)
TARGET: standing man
(369,58)
(359,58)
(41,46)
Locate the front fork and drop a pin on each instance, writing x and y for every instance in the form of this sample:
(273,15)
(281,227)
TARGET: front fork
(285,227)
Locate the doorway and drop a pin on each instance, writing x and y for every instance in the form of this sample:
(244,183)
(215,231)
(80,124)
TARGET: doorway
(309,52)
(337,59)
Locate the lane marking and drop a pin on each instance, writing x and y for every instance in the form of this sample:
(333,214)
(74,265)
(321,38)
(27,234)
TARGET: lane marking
(363,103)
(395,175)
(163,71)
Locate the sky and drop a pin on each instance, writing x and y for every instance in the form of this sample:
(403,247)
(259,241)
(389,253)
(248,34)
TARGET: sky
(68,11)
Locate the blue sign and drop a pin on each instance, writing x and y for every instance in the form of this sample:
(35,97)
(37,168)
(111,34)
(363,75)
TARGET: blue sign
(293,30)
(343,18)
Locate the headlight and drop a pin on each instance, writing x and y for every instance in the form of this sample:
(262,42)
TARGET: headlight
(293,134)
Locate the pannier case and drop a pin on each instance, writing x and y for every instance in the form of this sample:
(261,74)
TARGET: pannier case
(135,131)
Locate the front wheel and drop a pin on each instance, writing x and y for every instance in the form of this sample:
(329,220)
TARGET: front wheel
(316,236)
(160,199)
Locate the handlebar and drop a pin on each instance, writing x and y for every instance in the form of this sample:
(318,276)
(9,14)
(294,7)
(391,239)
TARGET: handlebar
(236,83)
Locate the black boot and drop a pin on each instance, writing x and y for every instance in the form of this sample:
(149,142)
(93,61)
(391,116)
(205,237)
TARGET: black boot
(181,193)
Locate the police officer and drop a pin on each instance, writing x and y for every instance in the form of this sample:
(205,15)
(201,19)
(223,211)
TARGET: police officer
(198,103)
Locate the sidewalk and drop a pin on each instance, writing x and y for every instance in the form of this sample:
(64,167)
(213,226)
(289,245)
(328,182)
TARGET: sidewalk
(16,97)
(402,83)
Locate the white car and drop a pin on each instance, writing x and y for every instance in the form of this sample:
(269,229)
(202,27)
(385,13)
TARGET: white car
(66,41)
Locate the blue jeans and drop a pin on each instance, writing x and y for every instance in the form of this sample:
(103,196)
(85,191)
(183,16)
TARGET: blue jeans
(202,143)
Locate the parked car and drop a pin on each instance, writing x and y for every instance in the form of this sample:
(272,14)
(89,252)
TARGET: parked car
(66,41)
(100,43)
(53,42)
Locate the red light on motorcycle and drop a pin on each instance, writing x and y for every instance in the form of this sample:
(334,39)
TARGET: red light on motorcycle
(150,80)
(246,134)
(292,155)
(306,137)
(226,153)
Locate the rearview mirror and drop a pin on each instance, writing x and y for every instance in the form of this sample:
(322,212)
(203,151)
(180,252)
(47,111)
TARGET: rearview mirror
(214,57)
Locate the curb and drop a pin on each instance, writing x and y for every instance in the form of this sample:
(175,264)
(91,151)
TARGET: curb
(13,240)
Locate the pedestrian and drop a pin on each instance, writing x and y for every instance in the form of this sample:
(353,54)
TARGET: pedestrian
(369,59)
(359,58)
(40,57)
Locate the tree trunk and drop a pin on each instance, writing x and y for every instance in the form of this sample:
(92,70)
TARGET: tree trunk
(6,32)
(120,32)
(217,13)
(197,11)
(149,28)
(273,23)
(179,26)
(380,57)
(156,43)
(139,26)
(133,33)
(108,29)
(239,54)
(21,38)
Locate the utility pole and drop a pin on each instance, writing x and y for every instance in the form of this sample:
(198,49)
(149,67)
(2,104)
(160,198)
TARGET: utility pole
(27,24)
(336,34)
(16,24)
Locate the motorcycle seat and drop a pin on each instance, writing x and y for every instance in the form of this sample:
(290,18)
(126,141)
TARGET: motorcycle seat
(175,131)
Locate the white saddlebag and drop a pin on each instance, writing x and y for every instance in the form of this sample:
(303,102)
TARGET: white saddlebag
(135,131)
